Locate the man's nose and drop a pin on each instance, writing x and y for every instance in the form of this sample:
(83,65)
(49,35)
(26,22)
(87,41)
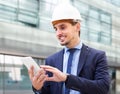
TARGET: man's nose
(58,32)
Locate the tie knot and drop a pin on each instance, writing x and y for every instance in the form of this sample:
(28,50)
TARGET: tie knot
(72,50)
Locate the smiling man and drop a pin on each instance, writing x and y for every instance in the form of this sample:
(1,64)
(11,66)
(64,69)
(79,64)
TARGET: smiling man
(77,68)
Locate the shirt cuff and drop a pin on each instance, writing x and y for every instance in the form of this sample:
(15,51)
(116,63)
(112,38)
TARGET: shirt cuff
(68,75)
(36,91)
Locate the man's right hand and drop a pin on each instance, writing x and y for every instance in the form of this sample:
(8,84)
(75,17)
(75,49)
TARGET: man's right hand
(38,79)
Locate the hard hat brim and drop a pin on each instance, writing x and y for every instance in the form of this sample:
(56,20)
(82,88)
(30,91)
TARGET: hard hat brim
(64,20)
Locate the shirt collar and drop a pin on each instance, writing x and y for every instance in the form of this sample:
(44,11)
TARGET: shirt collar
(79,46)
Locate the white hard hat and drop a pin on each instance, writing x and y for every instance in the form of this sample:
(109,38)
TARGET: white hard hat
(65,11)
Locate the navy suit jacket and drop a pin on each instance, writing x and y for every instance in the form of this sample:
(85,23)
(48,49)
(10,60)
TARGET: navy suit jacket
(92,73)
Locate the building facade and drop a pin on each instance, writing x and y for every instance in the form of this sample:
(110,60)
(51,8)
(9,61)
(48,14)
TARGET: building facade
(25,30)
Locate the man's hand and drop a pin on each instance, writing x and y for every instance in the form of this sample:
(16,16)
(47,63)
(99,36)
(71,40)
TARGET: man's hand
(58,76)
(38,79)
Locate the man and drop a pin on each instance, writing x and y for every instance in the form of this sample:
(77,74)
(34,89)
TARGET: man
(88,73)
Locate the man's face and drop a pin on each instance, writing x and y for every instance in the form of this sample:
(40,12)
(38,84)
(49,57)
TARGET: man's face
(66,33)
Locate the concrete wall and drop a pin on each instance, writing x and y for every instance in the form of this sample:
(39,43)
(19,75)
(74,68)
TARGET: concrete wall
(23,40)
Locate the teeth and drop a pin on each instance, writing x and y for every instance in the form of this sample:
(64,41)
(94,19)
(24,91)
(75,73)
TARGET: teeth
(62,38)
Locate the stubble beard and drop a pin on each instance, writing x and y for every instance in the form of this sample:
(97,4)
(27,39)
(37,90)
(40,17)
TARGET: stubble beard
(67,42)
(64,44)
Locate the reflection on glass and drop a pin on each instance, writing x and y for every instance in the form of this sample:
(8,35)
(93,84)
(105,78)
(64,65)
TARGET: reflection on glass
(94,13)
(13,73)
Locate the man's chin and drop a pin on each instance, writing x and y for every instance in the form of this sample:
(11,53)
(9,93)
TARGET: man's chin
(64,44)
(61,43)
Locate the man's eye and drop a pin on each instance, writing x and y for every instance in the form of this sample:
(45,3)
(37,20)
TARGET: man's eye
(62,28)
(55,29)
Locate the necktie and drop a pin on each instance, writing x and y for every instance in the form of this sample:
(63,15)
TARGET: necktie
(69,65)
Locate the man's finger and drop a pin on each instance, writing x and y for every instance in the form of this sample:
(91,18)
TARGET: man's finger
(31,72)
(47,67)
(50,70)
(50,79)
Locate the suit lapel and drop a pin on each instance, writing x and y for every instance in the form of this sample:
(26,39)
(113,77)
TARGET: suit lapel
(59,65)
(82,58)
(59,60)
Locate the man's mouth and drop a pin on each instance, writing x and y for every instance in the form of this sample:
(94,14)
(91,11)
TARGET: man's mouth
(62,38)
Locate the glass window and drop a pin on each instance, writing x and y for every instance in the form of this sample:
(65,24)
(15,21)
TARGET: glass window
(106,28)
(27,19)
(94,13)
(7,12)
(84,28)
(94,24)
(10,3)
(14,75)
(114,2)
(105,39)
(45,13)
(28,12)
(93,35)
(45,25)
(29,5)
(105,18)
(7,15)
(23,11)
(83,8)
(84,33)
(46,9)
(50,1)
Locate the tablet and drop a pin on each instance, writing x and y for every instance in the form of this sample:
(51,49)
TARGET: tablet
(28,62)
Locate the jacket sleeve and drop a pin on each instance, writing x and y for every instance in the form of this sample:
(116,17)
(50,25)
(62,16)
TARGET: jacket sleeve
(100,82)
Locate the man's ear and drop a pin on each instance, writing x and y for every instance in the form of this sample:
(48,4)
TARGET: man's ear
(78,27)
